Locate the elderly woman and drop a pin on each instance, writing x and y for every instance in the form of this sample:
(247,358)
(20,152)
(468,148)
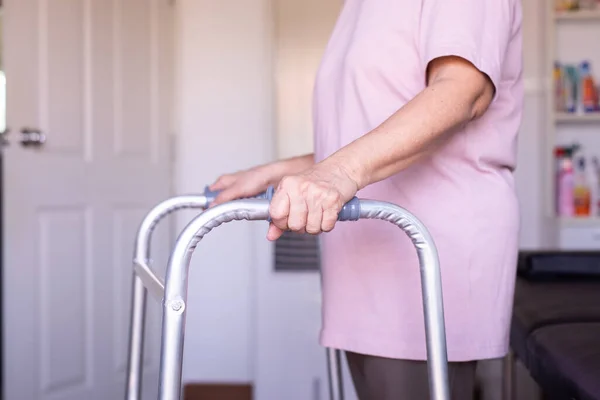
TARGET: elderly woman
(417,102)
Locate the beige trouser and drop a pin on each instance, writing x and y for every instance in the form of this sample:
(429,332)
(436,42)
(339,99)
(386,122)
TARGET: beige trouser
(377,378)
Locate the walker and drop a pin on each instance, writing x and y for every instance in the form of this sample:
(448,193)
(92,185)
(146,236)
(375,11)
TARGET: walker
(173,292)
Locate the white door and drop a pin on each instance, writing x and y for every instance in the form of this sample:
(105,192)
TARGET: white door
(94,77)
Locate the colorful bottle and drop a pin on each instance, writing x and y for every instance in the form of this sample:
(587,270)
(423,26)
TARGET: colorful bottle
(565,189)
(566,5)
(572,89)
(581,191)
(559,155)
(588,88)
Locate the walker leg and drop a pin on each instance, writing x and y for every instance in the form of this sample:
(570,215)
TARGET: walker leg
(136,341)
(508,377)
(334,374)
(171,357)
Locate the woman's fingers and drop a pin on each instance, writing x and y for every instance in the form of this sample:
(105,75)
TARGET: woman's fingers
(302,206)
(314,220)
(223,182)
(330,217)
(298,212)
(279,209)
(274,232)
(239,185)
(331,209)
(315,210)
(226,185)
(226,195)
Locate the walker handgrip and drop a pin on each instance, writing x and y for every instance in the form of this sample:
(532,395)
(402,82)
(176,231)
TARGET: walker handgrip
(211,195)
(350,210)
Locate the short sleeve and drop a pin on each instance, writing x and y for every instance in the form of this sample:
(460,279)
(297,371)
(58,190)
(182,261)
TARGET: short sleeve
(477,30)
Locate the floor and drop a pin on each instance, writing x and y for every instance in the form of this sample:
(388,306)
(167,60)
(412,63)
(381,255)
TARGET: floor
(217,391)
(490,376)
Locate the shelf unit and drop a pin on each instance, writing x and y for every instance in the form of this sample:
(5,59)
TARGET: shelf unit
(569,38)
(567,222)
(576,118)
(576,15)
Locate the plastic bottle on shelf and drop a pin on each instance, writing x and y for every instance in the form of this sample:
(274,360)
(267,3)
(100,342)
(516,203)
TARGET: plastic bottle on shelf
(572,89)
(566,5)
(581,190)
(588,88)
(559,155)
(565,185)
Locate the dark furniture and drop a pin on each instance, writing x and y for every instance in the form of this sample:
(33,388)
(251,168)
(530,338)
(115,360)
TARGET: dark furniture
(555,328)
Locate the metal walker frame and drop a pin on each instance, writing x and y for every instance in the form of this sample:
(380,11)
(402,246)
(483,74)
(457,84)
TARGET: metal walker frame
(173,291)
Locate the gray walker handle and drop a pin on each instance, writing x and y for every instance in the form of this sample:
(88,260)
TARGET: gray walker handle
(176,284)
(145,279)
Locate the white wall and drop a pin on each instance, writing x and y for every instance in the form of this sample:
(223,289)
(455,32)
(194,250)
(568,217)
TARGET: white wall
(297,55)
(224,96)
(529,174)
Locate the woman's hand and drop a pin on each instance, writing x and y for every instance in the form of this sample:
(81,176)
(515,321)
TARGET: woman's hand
(242,184)
(310,201)
(254,181)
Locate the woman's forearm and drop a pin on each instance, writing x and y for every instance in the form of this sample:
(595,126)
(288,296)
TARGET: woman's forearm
(412,131)
(289,166)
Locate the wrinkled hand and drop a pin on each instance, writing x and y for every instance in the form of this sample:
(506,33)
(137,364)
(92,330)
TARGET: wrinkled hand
(310,201)
(247,183)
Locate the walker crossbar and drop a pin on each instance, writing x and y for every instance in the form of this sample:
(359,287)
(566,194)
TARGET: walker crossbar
(144,278)
(176,284)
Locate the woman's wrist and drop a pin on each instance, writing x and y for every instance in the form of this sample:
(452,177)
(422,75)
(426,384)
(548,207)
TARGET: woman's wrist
(347,161)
